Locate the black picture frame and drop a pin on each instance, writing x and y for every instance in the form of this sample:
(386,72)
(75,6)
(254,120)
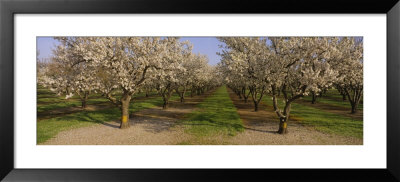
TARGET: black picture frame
(9,8)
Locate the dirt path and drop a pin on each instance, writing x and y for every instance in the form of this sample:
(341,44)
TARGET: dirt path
(148,127)
(261,127)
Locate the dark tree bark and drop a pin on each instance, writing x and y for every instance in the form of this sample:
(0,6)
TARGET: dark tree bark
(354,95)
(245,96)
(354,108)
(239,94)
(123,105)
(125,101)
(181,94)
(314,98)
(84,97)
(84,104)
(166,94)
(283,120)
(166,102)
(255,106)
(283,117)
(256,95)
(342,92)
(198,91)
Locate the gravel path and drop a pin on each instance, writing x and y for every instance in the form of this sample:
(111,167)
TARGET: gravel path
(154,126)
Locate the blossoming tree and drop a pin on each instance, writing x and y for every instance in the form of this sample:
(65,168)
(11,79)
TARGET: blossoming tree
(194,66)
(292,66)
(168,78)
(347,58)
(130,61)
(298,66)
(245,57)
(67,72)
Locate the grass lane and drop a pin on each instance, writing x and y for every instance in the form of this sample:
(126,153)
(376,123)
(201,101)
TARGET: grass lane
(216,115)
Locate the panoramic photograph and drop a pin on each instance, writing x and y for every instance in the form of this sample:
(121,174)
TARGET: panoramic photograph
(199,90)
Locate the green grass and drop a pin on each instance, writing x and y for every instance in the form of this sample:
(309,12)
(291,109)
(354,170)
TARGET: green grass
(58,103)
(215,115)
(48,128)
(322,120)
(48,100)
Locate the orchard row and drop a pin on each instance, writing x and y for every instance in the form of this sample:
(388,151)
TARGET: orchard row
(119,67)
(290,68)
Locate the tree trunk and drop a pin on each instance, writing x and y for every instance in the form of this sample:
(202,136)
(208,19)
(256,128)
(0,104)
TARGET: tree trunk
(283,120)
(256,99)
(165,104)
(354,107)
(344,97)
(166,99)
(244,94)
(283,126)
(255,106)
(84,99)
(83,104)
(246,97)
(125,100)
(182,95)
(314,98)
(354,99)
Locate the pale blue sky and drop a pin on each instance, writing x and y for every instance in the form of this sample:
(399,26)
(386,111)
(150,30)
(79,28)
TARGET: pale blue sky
(204,45)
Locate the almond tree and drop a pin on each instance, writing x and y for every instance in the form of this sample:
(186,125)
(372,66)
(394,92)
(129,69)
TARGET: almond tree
(347,58)
(67,72)
(236,82)
(246,57)
(168,79)
(201,75)
(125,64)
(208,78)
(289,66)
(297,67)
(41,69)
(193,67)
